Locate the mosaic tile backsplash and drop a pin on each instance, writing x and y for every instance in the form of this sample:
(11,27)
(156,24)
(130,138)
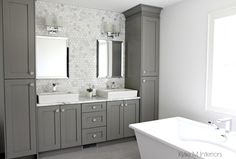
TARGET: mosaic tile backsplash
(82,26)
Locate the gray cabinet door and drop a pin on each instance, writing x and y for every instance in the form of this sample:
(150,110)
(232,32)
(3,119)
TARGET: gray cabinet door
(70,126)
(49,128)
(149,99)
(131,115)
(19,39)
(150,46)
(115,119)
(20,98)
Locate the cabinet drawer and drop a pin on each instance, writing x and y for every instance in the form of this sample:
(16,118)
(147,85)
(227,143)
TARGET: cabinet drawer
(94,119)
(94,135)
(93,107)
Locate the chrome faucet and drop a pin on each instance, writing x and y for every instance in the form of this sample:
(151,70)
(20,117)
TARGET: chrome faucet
(54,87)
(213,125)
(228,124)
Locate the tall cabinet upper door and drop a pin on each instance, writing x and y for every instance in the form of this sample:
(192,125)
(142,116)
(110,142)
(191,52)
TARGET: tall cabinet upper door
(131,115)
(19,39)
(115,119)
(149,100)
(70,125)
(49,128)
(20,101)
(150,46)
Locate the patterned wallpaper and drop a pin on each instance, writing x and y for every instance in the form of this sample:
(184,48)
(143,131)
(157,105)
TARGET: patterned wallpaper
(82,26)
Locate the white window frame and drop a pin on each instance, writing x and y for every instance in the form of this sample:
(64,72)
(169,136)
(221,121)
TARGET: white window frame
(210,53)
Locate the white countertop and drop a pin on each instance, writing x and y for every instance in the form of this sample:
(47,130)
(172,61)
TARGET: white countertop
(84,100)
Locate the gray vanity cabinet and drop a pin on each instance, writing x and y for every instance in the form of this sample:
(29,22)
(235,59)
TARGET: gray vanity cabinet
(142,57)
(70,126)
(20,101)
(131,115)
(119,115)
(49,128)
(19,39)
(59,127)
(115,119)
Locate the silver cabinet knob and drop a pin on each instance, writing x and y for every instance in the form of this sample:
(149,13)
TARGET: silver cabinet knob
(126,105)
(31,84)
(94,107)
(57,111)
(94,135)
(94,120)
(144,81)
(144,71)
(31,73)
(63,110)
(122,105)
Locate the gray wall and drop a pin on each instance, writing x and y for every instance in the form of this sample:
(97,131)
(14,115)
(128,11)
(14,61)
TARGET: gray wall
(1,86)
(183,59)
(83,27)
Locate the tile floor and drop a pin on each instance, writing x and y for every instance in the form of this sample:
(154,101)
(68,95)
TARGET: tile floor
(125,150)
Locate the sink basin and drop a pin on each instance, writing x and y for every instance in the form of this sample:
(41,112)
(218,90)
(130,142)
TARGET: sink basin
(117,93)
(57,97)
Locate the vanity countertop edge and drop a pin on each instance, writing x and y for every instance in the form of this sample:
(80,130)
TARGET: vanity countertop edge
(84,100)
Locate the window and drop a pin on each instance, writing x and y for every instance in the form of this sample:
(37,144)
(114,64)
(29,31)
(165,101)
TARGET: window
(221,74)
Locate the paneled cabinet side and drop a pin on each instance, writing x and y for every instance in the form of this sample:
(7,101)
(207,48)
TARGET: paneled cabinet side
(1,85)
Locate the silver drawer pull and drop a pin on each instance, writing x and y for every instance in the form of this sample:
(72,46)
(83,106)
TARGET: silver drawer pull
(94,120)
(94,135)
(144,81)
(144,71)
(126,105)
(31,84)
(63,110)
(94,107)
(122,105)
(57,111)
(31,73)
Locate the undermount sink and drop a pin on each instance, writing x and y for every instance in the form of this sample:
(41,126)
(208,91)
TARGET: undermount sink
(57,97)
(117,93)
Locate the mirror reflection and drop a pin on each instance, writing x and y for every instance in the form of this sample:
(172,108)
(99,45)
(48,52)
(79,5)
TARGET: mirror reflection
(52,58)
(109,59)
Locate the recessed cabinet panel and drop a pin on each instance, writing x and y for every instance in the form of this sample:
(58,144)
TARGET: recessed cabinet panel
(131,115)
(49,128)
(19,39)
(20,117)
(150,49)
(115,119)
(70,125)
(150,55)
(149,100)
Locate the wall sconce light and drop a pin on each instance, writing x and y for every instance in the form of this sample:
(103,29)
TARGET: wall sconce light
(111,30)
(53,24)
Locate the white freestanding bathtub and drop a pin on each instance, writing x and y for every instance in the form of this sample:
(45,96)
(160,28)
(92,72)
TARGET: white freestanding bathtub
(180,138)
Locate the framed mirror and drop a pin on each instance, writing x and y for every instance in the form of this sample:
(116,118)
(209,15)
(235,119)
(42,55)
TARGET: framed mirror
(52,58)
(110,59)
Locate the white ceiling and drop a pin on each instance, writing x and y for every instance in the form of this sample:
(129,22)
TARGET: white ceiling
(115,5)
